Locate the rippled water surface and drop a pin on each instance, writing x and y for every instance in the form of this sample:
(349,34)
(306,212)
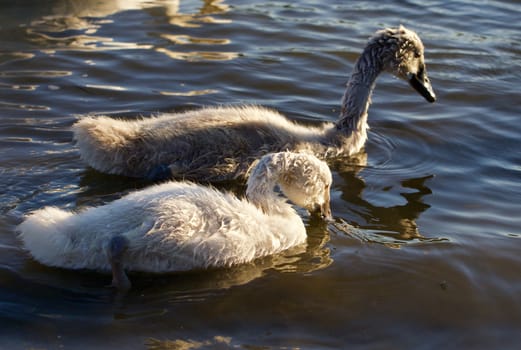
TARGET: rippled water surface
(425,249)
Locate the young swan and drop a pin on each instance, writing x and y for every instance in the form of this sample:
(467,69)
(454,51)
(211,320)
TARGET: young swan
(220,143)
(179,226)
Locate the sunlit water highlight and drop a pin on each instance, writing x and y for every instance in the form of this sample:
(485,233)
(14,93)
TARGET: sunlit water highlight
(424,249)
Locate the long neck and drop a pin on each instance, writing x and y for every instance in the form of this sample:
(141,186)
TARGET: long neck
(357,96)
(262,194)
(283,226)
(261,186)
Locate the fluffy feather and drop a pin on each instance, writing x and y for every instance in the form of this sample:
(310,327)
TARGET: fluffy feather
(220,143)
(179,226)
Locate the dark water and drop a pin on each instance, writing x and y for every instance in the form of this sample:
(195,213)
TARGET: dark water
(425,250)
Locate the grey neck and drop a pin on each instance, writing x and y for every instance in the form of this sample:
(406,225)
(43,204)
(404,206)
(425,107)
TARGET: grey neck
(357,96)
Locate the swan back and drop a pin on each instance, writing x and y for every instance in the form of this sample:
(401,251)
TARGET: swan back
(303,179)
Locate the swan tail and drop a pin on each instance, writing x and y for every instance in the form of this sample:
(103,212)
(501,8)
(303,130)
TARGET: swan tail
(42,235)
(106,143)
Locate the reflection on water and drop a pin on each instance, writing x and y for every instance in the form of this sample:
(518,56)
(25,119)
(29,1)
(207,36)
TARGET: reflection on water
(394,222)
(23,106)
(14,56)
(181,39)
(73,33)
(78,26)
(71,25)
(210,7)
(397,221)
(18,80)
(199,55)
(189,93)
(95,8)
(217,342)
(440,181)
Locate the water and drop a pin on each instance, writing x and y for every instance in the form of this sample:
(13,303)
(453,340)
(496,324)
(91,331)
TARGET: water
(424,251)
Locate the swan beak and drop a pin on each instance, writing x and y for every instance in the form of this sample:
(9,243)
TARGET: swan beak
(325,212)
(322,211)
(421,83)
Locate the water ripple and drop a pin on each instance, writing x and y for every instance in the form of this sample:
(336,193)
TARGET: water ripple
(387,146)
(438,181)
(189,93)
(23,106)
(14,56)
(25,87)
(197,56)
(386,238)
(34,73)
(182,39)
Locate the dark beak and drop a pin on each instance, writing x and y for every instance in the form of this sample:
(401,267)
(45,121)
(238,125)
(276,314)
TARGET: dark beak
(324,211)
(420,82)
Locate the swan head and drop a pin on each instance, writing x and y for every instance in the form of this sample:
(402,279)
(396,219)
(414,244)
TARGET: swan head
(401,53)
(303,179)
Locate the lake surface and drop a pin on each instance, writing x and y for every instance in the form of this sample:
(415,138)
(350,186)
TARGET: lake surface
(425,250)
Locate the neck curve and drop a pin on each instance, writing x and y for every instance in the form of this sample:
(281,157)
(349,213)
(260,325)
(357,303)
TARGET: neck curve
(264,197)
(357,96)
(261,189)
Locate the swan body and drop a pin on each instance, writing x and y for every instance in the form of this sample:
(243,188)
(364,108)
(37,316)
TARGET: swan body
(220,143)
(179,226)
